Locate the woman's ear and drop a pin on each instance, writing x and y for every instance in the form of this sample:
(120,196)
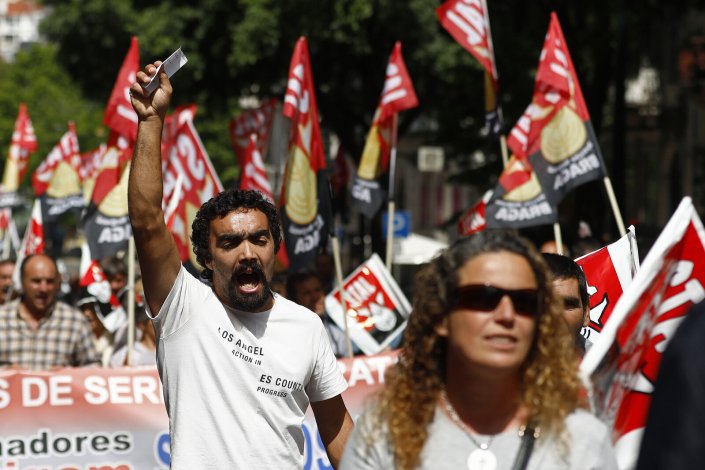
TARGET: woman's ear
(442,328)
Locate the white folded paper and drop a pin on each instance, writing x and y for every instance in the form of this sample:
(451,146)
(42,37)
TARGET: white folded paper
(171,65)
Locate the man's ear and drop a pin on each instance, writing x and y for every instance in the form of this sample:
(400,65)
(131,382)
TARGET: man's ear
(209,264)
(586,316)
(442,328)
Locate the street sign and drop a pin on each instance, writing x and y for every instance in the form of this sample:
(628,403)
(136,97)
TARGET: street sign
(402,224)
(430,158)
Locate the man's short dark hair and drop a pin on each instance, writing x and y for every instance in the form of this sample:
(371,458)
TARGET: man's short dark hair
(563,267)
(295,279)
(221,205)
(113,266)
(4,261)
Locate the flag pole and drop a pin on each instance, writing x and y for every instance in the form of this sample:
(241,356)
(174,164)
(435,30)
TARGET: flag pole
(390,210)
(557,236)
(130,299)
(615,208)
(503,146)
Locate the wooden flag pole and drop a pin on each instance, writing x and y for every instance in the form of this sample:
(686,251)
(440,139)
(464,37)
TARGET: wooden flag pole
(341,291)
(615,207)
(390,210)
(130,299)
(558,237)
(503,146)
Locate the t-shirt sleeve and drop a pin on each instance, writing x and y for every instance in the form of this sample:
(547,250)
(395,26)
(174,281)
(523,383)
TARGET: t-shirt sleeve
(367,448)
(327,380)
(185,295)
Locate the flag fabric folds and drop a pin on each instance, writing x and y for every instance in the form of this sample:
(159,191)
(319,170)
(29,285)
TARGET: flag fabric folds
(256,121)
(57,179)
(623,364)
(254,174)
(22,144)
(33,241)
(469,23)
(518,200)
(368,193)
(473,220)
(608,271)
(555,132)
(119,115)
(305,197)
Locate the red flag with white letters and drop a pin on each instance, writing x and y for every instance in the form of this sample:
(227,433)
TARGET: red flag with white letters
(200,182)
(22,144)
(622,366)
(119,115)
(254,175)
(398,93)
(608,271)
(304,198)
(555,132)
(473,220)
(64,156)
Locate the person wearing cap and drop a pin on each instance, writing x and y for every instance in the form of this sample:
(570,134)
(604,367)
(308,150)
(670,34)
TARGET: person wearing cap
(37,332)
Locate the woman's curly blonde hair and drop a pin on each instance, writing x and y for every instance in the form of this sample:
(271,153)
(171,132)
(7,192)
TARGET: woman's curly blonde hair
(550,385)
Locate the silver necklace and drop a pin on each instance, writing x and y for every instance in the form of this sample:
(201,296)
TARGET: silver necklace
(481,458)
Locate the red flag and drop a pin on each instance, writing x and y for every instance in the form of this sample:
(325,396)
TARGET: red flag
(300,106)
(468,22)
(33,241)
(254,175)
(398,93)
(22,144)
(473,220)
(200,182)
(256,121)
(302,200)
(624,363)
(64,157)
(608,271)
(119,115)
(89,270)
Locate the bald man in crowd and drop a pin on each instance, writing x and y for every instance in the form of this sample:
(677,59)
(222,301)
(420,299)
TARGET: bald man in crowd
(37,332)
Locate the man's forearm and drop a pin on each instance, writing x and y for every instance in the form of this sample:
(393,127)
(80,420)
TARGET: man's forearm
(145,184)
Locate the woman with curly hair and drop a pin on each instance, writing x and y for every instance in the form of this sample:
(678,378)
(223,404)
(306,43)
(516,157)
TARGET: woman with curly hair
(486,368)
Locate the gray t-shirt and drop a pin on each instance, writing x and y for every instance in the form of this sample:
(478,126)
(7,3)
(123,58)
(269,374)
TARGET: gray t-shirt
(448,447)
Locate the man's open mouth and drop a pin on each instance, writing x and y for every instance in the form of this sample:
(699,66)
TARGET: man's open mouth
(249,278)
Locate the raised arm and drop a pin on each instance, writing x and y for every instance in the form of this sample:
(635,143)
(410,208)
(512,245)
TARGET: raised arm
(156,249)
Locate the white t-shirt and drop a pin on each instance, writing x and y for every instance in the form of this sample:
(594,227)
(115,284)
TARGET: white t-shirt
(237,384)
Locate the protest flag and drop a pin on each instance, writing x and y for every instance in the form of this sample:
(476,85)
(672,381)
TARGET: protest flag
(254,174)
(620,369)
(555,132)
(33,241)
(22,144)
(119,115)
(398,95)
(518,200)
(469,24)
(256,121)
(608,271)
(305,193)
(188,159)
(473,220)
(57,181)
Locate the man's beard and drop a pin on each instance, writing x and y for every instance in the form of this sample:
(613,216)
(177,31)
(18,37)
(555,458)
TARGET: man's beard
(249,302)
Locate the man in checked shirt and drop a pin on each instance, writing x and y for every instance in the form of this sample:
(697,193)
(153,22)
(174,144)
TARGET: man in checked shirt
(36,331)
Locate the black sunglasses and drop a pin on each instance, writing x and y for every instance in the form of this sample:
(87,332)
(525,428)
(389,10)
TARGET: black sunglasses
(485,298)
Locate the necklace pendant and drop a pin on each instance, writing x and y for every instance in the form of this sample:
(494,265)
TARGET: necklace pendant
(482,459)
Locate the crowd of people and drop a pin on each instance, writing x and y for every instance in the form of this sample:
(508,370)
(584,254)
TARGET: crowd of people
(487,369)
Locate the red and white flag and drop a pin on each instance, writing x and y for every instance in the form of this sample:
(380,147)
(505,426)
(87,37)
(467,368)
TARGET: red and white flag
(200,182)
(22,144)
(555,133)
(119,115)
(473,220)
(304,197)
(33,241)
(397,95)
(608,271)
(622,366)
(89,270)
(256,121)
(65,154)
(254,174)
